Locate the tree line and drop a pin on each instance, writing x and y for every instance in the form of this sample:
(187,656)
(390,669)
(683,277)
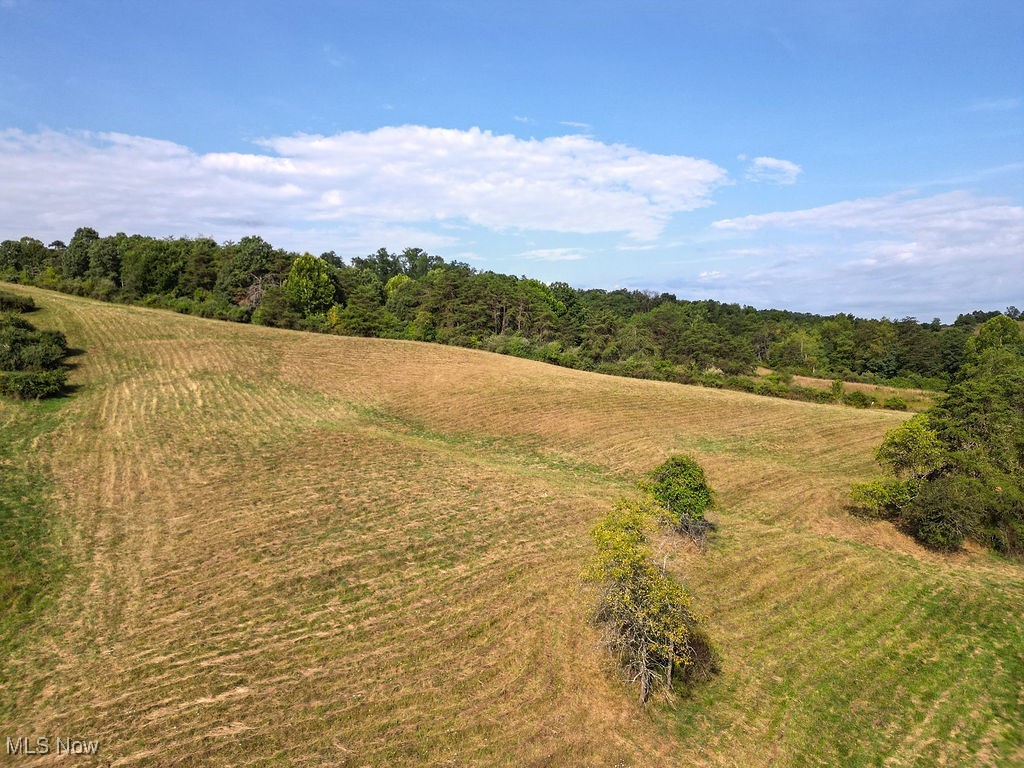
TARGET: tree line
(956,472)
(420,296)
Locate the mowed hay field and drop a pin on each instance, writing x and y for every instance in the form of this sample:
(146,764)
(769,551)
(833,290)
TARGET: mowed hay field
(293,549)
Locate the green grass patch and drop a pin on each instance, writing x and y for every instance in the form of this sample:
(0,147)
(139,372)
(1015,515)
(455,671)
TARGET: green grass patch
(858,656)
(31,561)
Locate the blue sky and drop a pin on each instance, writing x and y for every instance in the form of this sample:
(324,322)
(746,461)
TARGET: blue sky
(823,156)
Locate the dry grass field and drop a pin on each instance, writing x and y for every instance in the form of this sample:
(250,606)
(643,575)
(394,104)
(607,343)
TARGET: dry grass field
(291,549)
(917,400)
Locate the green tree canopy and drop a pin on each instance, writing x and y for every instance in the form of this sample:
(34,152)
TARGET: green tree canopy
(309,286)
(958,471)
(75,258)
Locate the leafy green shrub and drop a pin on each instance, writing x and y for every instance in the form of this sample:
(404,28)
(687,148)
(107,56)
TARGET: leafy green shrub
(32,384)
(514,345)
(779,377)
(895,404)
(30,360)
(43,355)
(810,394)
(22,347)
(945,512)
(649,618)
(681,490)
(639,366)
(550,352)
(915,381)
(13,302)
(885,498)
(100,288)
(685,375)
(858,399)
(276,310)
(14,320)
(1002,522)
(771,388)
(741,384)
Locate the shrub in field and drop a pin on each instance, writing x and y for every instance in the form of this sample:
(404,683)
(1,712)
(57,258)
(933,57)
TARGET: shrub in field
(30,360)
(32,384)
(24,348)
(12,302)
(945,512)
(14,320)
(895,404)
(681,490)
(858,399)
(885,498)
(650,622)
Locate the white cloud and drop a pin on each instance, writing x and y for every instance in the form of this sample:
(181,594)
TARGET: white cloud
(772,169)
(553,254)
(574,124)
(942,219)
(408,176)
(710,275)
(895,254)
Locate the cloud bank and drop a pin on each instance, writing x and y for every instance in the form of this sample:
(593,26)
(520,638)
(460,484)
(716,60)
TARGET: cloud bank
(407,176)
(894,254)
(952,224)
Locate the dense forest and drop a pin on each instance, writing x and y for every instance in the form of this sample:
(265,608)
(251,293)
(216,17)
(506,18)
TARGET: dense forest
(420,296)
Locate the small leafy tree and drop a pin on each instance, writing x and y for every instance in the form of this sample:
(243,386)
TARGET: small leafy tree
(309,286)
(912,450)
(650,623)
(276,309)
(681,489)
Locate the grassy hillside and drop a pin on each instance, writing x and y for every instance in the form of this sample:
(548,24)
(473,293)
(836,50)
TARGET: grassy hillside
(295,549)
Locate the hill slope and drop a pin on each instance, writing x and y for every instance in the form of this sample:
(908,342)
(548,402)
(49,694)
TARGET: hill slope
(323,550)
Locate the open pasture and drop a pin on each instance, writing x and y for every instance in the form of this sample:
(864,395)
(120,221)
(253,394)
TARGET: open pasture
(295,549)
